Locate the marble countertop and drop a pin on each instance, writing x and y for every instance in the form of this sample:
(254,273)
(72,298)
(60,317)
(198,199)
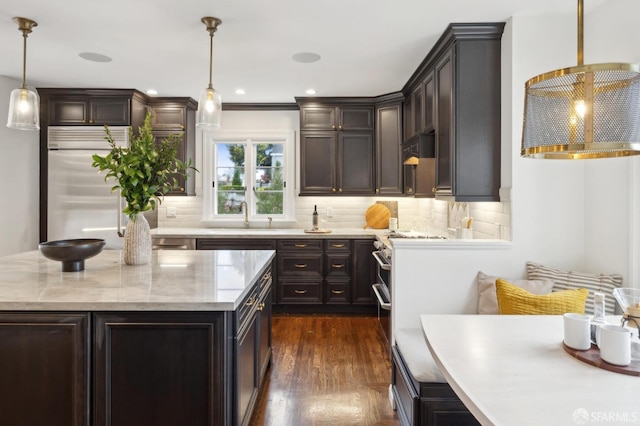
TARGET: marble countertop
(263,233)
(175,280)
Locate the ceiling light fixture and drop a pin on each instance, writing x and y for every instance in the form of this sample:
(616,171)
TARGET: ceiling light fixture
(152,92)
(311,91)
(210,102)
(240,92)
(24,105)
(586,111)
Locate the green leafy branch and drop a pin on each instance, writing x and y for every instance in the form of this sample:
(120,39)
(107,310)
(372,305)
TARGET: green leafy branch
(146,170)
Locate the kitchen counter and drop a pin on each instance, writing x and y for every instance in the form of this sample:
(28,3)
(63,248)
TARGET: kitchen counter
(185,280)
(262,233)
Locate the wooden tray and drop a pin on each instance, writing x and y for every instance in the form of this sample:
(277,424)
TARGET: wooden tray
(317,231)
(592,357)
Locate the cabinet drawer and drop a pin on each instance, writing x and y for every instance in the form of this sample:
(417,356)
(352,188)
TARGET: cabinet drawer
(309,265)
(337,292)
(300,291)
(338,264)
(300,245)
(338,245)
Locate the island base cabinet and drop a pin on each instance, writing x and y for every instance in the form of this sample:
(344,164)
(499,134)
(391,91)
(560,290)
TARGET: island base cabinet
(159,369)
(44,377)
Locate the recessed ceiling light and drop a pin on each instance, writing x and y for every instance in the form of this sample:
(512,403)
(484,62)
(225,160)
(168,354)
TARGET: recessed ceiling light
(306,57)
(95,57)
(240,92)
(311,91)
(152,92)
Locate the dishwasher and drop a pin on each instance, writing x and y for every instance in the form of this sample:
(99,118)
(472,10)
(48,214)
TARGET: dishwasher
(173,243)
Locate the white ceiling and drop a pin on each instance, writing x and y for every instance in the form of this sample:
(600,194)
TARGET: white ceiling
(368,47)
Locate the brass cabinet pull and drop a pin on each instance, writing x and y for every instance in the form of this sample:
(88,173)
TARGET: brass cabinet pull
(377,190)
(251,301)
(337,291)
(340,190)
(340,127)
(333,189)
(337,245)
(300,291)
(266,276)
(337,265)
(90,121)
(301,265)
(410,190)
(260,306)
(333,126)
(433,189)
(300,245)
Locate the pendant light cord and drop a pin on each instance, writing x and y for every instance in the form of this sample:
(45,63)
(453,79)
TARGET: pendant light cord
(24,60)
(580,33)
(211,31)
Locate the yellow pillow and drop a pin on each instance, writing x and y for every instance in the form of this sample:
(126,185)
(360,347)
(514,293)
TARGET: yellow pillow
(514,300)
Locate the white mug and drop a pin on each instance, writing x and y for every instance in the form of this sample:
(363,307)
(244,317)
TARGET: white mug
(577,331)
(615,344)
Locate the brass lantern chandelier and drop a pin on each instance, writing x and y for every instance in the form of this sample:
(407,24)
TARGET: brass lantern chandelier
(586,111)
(24,104)
(210,102)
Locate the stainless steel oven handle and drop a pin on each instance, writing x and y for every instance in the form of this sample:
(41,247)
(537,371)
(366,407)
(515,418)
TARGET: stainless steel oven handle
(384,305)
(382,263)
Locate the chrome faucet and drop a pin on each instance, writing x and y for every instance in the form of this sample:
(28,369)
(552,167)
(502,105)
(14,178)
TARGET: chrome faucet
(270,219)
(246,214)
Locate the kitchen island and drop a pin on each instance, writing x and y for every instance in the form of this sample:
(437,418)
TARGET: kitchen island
(182,340)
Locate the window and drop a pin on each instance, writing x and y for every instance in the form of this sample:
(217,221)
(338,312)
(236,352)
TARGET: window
(248,168)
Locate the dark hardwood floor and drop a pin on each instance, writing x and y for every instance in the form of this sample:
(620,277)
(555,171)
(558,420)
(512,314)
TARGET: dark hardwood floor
(326,370)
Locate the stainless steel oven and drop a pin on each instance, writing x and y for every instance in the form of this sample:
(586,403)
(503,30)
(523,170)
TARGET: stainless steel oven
(382,288)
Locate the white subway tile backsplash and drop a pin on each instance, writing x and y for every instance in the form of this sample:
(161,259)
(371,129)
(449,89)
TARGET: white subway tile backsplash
(490,220)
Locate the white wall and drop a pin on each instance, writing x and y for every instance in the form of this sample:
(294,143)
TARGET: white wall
(19,177)
(612,188)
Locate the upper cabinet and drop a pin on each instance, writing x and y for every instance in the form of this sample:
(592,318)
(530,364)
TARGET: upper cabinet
(92,107)
(337,149)
(458,85)
(177,116)
(388,134)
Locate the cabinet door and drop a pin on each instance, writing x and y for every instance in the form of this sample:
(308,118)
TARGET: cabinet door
(355,163)
(159,369)
(409,171)
(364,273)
(388,150)
(408,118)
(318,162)
(418,108)
(425,176)
(44,362)
(68,111)
(337,291)
(246,371)
(168,117)
(318,118)
(110,111)
(180,155)
(356,118)
(264,346)
(429,98)
(444,130)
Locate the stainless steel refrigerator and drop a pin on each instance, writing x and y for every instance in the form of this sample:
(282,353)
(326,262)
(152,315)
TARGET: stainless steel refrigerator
(80,204)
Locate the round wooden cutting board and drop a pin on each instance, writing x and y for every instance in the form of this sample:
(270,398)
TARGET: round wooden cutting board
(377,217)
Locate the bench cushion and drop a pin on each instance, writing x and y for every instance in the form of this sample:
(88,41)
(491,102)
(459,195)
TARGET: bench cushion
(417,356)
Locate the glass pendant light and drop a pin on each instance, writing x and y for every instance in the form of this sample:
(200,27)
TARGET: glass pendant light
(24,104)
(587,111)
(210,102)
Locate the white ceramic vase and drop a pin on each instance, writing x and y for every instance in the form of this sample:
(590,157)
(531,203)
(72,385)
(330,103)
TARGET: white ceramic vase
(137,241)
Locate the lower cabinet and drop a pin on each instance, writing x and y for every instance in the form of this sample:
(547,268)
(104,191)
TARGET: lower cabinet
(159,368)
(44,368)
(364,274)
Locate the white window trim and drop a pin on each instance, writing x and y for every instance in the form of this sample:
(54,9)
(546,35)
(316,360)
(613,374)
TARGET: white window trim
(210,138)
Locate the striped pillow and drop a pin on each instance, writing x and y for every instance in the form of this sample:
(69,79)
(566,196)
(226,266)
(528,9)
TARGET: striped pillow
(570,280)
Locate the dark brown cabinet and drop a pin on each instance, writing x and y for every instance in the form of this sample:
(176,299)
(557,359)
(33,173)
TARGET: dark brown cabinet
(337,148)
(336,163)
(159,368)
(350,118)
(44,366)
(364,273)
(92,107)
(300,271)
(468,131)
(389,147)
(338,271)
(177,116)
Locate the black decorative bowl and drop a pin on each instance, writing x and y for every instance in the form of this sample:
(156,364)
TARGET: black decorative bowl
(72,253)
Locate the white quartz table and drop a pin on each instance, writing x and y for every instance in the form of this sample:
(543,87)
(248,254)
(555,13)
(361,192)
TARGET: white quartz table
(180,280)
(513,370)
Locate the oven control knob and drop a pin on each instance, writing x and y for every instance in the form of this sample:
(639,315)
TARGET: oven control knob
(387,253)
(378,244)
